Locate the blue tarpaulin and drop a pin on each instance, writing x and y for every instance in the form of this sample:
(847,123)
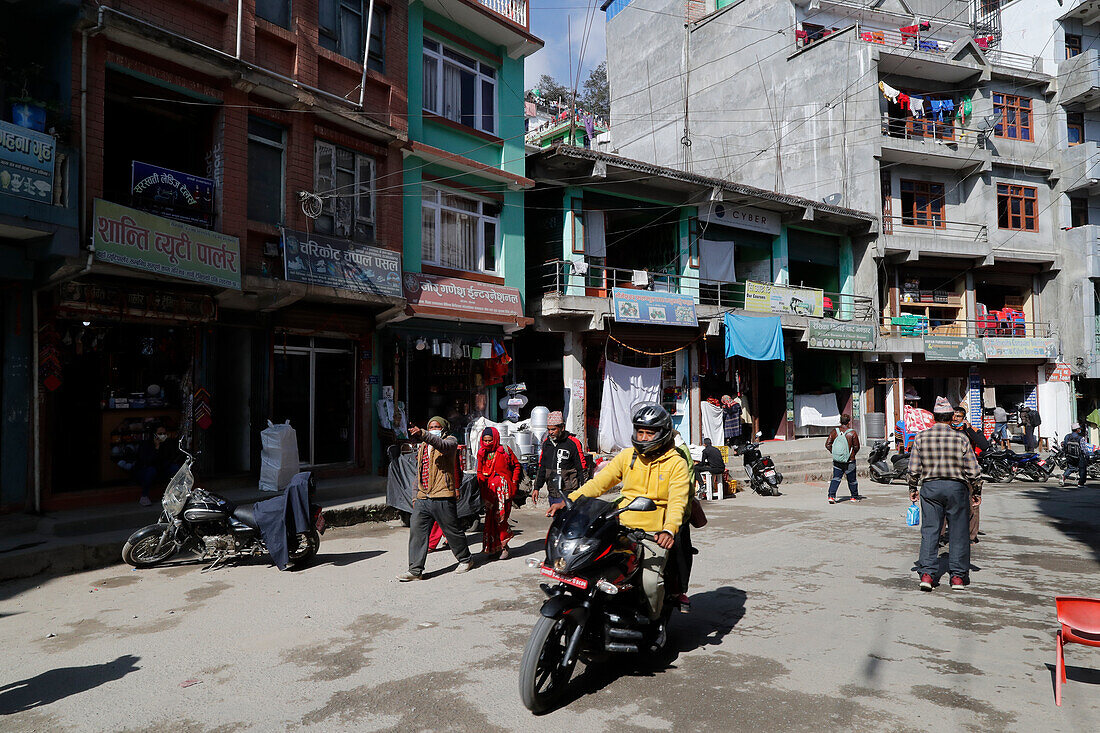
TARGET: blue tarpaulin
(756,338)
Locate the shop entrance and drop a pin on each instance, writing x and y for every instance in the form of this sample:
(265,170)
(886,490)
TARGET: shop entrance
(315,389)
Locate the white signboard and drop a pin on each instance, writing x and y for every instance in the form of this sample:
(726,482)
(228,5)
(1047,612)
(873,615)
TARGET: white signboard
(742,217)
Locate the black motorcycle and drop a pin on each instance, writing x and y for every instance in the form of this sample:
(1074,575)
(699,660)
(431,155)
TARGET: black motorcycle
(764,477)
(596,607)
(214,528)
(882,471)
(996,465)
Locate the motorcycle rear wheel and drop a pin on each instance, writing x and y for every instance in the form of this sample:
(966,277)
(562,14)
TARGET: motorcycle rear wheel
(140,550)
(1001,474)
(542,681)
(308,544)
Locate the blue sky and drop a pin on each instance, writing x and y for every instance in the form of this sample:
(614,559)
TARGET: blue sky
(549,22)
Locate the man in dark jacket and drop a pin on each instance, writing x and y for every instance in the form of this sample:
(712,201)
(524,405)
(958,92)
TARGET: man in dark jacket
(1076,458)
(1029,419)
(158,460)
(846,468)
(710,462)
(958,421)
(560,455)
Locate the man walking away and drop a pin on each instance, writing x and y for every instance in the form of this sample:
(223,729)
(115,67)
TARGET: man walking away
(438,478)
(712,463)
(944,474)
(1076,457)
(843,443)
(1030,420)
(1000,426)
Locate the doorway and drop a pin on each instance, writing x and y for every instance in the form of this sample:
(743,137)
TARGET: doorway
(315,390)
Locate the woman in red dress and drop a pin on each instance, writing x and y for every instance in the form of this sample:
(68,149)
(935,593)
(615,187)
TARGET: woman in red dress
(498,472)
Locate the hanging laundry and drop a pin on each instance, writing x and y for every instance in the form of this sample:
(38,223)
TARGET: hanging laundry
(948,109)
(639,278)
(967,109)
(903,101)
(916,105)
(529,109)
(888,91)
(937,110)
(909,31)
(589,127)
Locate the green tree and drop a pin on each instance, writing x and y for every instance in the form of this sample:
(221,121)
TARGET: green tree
(596,94)
(551,90)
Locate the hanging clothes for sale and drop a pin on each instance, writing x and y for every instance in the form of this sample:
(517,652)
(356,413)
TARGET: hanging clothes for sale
(624,388)
(756,338)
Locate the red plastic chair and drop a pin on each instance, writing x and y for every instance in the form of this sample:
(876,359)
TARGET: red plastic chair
(1080,619)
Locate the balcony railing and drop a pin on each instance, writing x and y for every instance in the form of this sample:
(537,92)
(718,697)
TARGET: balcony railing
(935,226)
(513,10)
(913,128)
(917,326)
(562,277)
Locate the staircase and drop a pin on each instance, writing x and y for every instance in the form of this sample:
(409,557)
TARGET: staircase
(800,461)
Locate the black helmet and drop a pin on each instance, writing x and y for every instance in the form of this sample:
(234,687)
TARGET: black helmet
(652,416)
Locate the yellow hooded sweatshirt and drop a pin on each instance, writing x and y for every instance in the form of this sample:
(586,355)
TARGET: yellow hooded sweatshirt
(664,479)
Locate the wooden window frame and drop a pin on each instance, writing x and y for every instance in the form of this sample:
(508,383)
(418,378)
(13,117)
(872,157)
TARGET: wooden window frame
(1007,193)
(1017,108)
(930,216)
(1073,45)
(1078,206)
(1075,121)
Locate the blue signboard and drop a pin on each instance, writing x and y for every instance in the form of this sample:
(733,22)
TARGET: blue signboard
(644,306)
(176,195)
(26,163)
(340,263)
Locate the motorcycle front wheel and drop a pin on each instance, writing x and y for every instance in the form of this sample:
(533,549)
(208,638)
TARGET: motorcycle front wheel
(308,544)
(542,678)
(140,550)
(1001,473)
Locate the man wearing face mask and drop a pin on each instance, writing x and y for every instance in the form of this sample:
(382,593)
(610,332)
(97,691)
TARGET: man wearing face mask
(438,478)
(157,461)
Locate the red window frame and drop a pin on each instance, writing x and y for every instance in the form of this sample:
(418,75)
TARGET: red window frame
(1017,207)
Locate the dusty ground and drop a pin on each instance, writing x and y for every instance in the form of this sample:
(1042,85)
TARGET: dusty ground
(805,617)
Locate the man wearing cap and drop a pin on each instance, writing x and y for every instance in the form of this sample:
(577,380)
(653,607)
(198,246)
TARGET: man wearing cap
(944,475)
(1076,457)
(560,456)
(438,478)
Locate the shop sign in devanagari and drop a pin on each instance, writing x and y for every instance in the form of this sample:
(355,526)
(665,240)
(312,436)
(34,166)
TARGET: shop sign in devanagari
(144,241)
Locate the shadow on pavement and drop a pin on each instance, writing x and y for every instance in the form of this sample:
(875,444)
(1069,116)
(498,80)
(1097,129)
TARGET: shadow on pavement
(57,684)
(713,615)
(1073,674)
(340,559)
(1075,512)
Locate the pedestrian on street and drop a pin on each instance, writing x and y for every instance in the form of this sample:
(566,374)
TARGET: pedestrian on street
(944,475)
(1030,419)
(978,443)
(498,473)
(436,497)
(1000,426)
(562,467)
(731,419)
(843,444)
(1077,459)
(711,462)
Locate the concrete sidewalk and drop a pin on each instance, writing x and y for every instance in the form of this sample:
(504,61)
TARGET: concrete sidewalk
(83,539)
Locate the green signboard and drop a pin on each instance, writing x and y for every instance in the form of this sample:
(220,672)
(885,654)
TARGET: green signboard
(144,241)
(840,336)
(953,348)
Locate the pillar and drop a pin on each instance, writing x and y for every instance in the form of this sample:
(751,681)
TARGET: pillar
(780,259)
(574,385)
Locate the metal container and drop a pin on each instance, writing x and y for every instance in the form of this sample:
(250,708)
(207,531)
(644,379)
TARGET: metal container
(876,425)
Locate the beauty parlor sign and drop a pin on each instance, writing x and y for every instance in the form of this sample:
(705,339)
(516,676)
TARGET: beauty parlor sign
(144,241)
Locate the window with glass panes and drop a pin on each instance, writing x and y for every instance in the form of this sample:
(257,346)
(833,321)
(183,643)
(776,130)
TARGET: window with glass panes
(342,25)
(345,181)
(1014,117)
(922,204)
(266,161)
(1073,45)
(459,88)
(1075,128)
(1017,207)
(1078,211)
(275,11)
(459,231)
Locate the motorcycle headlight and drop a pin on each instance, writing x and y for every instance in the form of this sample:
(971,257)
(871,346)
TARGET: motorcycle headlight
(578,546)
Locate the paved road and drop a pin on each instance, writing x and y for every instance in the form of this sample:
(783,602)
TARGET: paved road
(805,617)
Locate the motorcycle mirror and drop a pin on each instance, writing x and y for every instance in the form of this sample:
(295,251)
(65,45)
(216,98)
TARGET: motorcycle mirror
(639,504)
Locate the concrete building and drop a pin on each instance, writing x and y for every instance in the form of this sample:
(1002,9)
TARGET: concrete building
(936,115)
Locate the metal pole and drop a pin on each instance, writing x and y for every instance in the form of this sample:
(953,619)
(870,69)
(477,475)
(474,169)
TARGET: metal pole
(240,15)
(366,53)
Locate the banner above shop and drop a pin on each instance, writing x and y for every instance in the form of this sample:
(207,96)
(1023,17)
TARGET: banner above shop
(768,298)
(953,348)
(440,295)
(1059,373)
(179,196)
(26,163)
(144,241)
(742,217)
(841,336)
(645,306)
(1006,347)
(339,263)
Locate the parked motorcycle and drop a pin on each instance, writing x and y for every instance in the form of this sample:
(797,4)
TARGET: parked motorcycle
(597,606)
(996,466)
(211,527)
(764,477)
(882,471)
(1028,465)
(1057,456)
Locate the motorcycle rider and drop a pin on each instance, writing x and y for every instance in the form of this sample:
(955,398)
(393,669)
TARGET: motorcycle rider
(561,455)
(655,469)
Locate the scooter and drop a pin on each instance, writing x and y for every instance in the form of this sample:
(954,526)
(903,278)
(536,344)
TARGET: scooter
(213,527)
(764,478)
(596,606)
(884,472)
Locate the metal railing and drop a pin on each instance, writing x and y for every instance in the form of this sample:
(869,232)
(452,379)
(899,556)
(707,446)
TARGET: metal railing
(1019,61)
(928,130)
(513,10)
(935,226)
(563,277)
(916,326)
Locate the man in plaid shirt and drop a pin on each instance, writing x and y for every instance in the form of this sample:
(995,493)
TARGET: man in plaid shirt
(944,473)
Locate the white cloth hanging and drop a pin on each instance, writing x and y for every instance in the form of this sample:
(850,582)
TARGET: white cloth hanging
(580,267)
(889,92)
(716,262)
(819,410)
(916,106)
(639,278)
(624,388)
(713,423)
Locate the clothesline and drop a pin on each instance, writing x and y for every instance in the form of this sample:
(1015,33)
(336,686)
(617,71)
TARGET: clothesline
(926,107)
(655,353)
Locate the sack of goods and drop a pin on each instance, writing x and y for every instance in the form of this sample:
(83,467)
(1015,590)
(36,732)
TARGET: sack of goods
(278,456)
